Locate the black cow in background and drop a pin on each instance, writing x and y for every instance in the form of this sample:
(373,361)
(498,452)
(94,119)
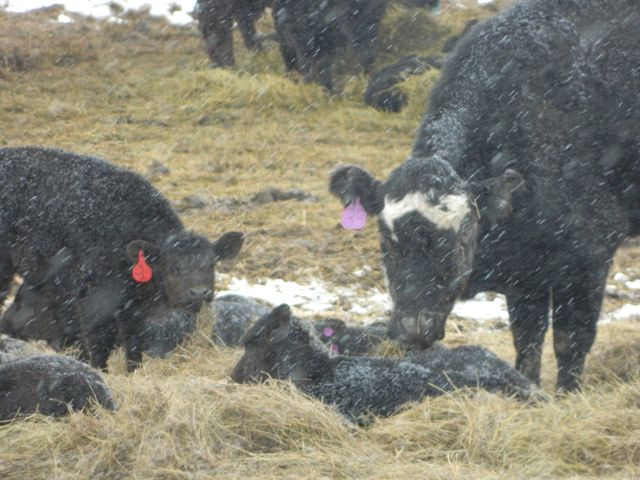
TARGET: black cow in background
(103,245)
(313,33)
(383,94)
(524,178)
(215,19)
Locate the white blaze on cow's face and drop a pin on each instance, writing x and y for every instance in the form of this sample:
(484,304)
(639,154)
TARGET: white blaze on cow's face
(427,250)
(447,214)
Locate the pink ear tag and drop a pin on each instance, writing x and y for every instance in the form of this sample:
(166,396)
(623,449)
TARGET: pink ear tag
(353,216)
(334,349)
(327,332)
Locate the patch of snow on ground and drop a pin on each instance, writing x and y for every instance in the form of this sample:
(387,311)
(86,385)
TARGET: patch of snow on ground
(633,284)
(620,277)
(175,11)
(316,298)
(62,18)
(312,298)
(626,312)
(481,309)
(100,8)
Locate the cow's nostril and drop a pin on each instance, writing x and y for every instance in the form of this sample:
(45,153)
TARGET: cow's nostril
(201,293)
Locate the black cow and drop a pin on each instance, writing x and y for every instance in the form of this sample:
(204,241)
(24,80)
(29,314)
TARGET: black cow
(382,92)
(312,33)
(524,178)
(215,19)
(103,243)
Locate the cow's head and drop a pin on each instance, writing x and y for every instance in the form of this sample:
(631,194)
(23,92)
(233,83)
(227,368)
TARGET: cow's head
(275,347)
(184,265)
(429,221)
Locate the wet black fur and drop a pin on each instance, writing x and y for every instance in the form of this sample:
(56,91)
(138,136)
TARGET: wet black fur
(280,348)
(51,385)
(538,113)
(215,19)
(71,226)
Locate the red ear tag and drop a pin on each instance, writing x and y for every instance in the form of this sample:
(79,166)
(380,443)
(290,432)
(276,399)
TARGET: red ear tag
(141,272)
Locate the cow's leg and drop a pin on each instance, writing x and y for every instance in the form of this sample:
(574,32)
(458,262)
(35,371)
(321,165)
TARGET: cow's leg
(364,44)
(575,315)
(99,340)
(529,319)
(289,56)
(324,72)
(245,19)
(130,329)
(219,40)
(6,274)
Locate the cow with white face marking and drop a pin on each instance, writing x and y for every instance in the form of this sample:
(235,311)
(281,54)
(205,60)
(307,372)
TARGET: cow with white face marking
(428,221)
(524,178)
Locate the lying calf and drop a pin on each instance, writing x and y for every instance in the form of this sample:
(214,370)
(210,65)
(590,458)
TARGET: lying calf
(475,366)
(234,316)
(12,349)
(39,313)
(51,385)
(279,347)
(383,92)
(166,329)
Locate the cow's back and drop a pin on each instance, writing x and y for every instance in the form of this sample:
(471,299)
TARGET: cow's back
(59,199)
(540,85)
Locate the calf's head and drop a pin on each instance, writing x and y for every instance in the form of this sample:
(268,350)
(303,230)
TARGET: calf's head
(429,221)
(184,264)
(275,347)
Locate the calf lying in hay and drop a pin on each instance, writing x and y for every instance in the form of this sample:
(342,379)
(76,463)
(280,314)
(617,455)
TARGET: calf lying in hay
(236,314)
(38,314)
(280,348)
(51,385)
(12,349)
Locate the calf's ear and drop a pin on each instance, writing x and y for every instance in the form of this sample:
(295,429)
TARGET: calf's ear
(228,245)
(281,315)
(348,182)
(494,195)
(277,320)
(150,250)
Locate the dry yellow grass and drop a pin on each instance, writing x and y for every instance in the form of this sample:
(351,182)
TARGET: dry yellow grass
(143,92)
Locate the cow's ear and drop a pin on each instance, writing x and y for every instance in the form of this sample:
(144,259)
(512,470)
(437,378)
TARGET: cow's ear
(274,321)
(228,246)
(348,182)
(330,328)
(494,195)
(150,250)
